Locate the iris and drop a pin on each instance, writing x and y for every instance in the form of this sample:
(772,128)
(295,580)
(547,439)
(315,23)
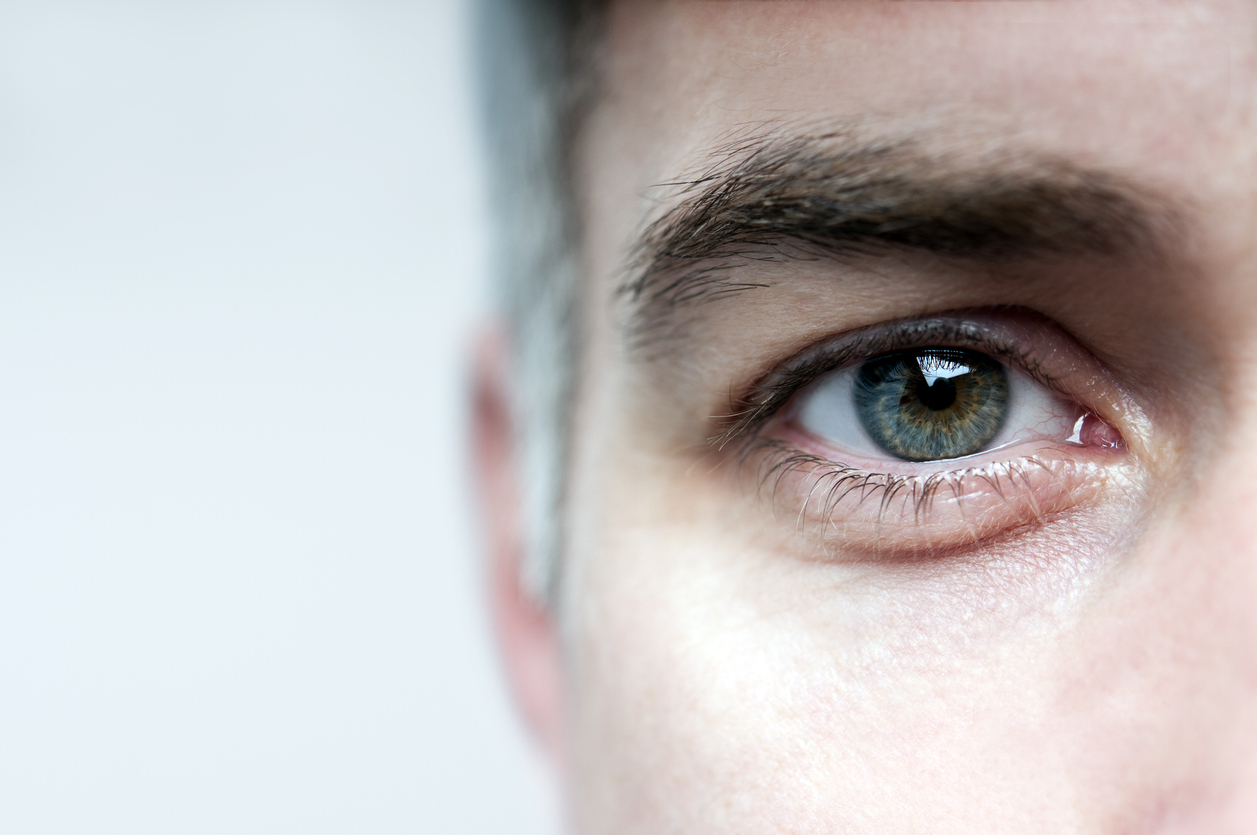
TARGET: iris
(932,403)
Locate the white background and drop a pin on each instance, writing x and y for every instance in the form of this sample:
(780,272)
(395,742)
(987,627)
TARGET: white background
(241,248)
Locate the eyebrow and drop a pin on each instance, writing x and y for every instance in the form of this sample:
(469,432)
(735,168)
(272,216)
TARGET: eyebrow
(837,196)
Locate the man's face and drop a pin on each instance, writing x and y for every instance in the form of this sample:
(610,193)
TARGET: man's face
(912,485)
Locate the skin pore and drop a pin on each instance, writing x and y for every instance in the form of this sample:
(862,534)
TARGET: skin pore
(768,624)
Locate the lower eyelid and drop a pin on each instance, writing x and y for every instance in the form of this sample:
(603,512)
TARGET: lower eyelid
(867,514)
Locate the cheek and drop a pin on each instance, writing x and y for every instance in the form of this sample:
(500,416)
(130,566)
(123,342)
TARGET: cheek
(1163,675)
(683,716)
(720,684)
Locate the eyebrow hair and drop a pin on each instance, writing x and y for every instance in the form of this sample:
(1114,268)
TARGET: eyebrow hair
(838,196)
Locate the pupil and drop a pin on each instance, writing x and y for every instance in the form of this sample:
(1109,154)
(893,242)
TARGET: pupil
(936,397)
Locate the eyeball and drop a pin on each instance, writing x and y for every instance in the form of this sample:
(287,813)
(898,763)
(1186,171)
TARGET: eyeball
(933,404)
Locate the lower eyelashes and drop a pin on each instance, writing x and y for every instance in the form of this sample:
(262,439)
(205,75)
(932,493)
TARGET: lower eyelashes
(903,515)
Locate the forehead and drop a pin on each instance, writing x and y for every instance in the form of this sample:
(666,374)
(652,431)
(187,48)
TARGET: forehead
(1161,88)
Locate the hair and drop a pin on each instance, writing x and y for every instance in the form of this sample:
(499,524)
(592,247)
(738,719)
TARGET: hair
(536,62)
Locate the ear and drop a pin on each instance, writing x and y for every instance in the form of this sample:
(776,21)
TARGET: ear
(525,629)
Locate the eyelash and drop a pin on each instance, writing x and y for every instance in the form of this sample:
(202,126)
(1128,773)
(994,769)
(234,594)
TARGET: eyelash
(832,481)
(784,459)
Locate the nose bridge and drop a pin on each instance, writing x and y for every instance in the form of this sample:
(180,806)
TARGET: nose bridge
(1201,573)
(1224,503)
(1181,645)
(1216,497)
(1215,552)
(1214,562)
(1231,497)
(1205,572)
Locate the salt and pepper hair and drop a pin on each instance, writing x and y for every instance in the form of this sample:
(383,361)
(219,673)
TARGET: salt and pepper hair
(535,64)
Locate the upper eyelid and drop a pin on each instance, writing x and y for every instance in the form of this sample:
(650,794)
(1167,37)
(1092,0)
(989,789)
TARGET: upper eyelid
(751,410)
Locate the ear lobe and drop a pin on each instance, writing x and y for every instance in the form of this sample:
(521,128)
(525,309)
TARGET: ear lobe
(525,629)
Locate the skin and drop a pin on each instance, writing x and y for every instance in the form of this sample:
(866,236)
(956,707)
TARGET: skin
(713,664)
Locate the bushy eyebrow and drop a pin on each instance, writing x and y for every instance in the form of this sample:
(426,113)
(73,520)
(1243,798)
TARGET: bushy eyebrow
(835,195)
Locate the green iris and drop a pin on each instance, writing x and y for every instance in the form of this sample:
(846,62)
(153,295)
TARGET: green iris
(932,403)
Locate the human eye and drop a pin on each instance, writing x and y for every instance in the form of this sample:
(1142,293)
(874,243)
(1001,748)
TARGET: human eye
(938,433)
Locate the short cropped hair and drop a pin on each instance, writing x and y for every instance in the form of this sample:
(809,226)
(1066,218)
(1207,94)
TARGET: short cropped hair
(536,62)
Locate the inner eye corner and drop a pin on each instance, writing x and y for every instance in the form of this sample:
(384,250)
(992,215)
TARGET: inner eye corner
(1091,430)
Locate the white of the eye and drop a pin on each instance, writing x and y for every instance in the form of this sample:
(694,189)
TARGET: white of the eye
(828,412)
(1035,412)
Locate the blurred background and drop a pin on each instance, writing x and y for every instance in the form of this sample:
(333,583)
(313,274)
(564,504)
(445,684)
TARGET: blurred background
(241,257)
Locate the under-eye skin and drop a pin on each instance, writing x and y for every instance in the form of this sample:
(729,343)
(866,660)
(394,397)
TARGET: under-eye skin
(935,434)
